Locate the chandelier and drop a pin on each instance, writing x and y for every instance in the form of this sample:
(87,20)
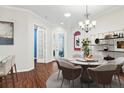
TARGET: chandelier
(87,24)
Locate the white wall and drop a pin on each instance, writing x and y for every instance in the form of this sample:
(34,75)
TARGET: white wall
(19,49)
(23,47)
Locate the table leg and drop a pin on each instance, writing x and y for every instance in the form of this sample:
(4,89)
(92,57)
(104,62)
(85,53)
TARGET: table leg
(84,75)
(0,82)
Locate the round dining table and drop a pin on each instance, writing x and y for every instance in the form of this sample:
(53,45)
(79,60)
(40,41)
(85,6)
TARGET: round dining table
(85,64)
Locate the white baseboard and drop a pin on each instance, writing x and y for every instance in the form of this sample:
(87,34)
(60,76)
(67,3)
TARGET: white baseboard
(25,70)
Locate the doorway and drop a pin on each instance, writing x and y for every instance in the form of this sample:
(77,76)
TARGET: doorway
(58,44)
(39,45)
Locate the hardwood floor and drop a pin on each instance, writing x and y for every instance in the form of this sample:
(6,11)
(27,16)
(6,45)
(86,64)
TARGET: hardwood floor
(36,78)
(43,71)
(33,79)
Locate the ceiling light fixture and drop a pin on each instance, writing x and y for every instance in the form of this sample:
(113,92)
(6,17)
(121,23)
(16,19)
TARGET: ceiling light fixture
(87,24)
(67,14)
(61,23)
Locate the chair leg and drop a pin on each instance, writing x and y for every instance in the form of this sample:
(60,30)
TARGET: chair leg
(73,83)
(6,81)
(12,75)
(114,76)
(81,84)
(110,86)
(16,71)
(88,84)
(62,82)
(69,83)
(1,78)
(119,80)
(103,86)
(58,74)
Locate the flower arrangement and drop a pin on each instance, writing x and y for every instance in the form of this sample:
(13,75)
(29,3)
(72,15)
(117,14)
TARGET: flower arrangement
(85,46)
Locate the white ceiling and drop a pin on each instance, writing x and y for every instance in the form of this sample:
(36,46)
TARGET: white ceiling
(55,13)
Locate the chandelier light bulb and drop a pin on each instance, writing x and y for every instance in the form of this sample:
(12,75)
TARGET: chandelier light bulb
(82,26)
(94,23)
(90,25)
(80,23)
(87,22)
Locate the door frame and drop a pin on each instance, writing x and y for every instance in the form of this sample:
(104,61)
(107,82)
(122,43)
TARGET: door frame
(36,29)
(65,42)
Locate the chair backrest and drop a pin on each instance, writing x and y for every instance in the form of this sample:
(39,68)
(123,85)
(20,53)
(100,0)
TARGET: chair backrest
(102,74)
(105,67)
(69,71)
(67,65)
(6,65)
(61,61)
(119,61)
(101,77)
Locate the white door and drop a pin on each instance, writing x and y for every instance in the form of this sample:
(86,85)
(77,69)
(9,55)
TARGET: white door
(41,45)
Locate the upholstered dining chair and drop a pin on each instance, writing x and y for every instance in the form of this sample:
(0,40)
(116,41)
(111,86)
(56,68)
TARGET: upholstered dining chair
(70,72)
(119,62)
(58,61)
(5,69)
(59,67)
(102,74)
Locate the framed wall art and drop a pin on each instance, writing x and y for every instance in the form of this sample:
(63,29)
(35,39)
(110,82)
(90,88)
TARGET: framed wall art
(77,41)
(6,33)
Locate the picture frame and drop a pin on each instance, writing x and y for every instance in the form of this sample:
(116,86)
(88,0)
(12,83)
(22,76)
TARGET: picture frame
(6,33)
(77,41)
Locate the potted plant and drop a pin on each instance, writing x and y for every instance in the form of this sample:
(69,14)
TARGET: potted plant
(85,46)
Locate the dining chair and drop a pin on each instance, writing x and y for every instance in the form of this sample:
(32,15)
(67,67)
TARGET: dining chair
(70,72)
(102,74)
(5,69)
(59,67)
(119,62)
(58,61)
